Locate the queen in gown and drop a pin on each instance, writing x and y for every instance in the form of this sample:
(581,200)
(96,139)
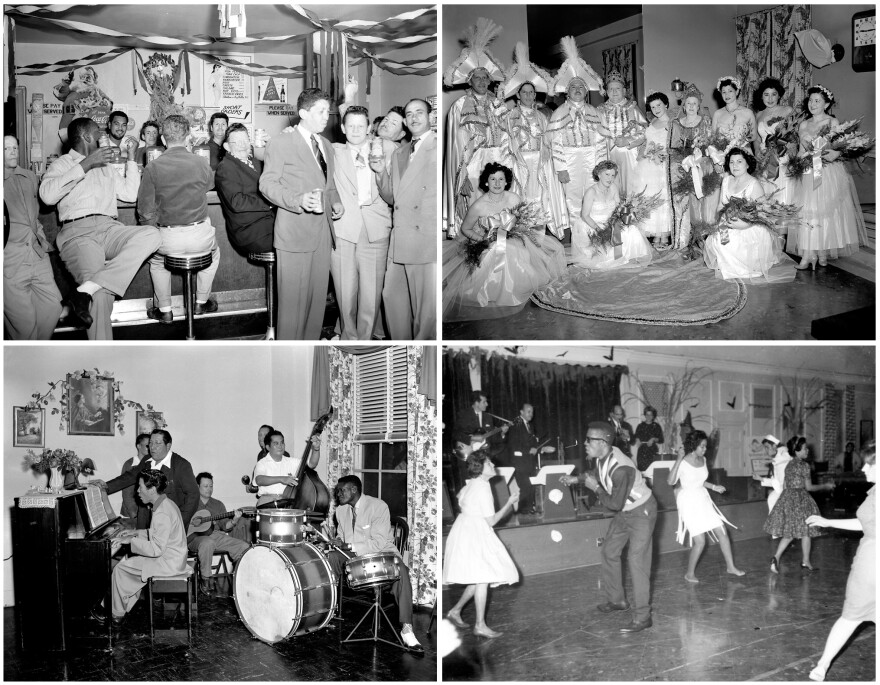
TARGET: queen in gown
(599,202)
(832,222)
(474,555)
(750,250)
(627,126)
(771,110)
(510,269)
(697,513)
(651,174)
(861,586)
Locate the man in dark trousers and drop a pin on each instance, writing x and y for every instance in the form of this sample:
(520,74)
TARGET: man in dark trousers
(523,445)
(475,421)
(623,431)
(621,489)
(130,504)
(182,488)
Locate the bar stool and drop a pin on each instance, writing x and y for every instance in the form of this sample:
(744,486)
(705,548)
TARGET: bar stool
(267,259)
(182,584)
(189,264)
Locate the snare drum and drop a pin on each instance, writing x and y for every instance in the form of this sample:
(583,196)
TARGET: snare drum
(281,592)
(281,527)
(372,569)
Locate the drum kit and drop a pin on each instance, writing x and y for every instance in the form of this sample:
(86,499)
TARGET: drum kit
(284,585)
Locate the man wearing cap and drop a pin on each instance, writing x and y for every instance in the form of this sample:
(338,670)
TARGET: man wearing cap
(577,133)
(621,488)
(533,162)
(476,132)
(776,477)
(627,126)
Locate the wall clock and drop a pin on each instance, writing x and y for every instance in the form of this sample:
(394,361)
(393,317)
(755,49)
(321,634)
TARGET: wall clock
(864,40)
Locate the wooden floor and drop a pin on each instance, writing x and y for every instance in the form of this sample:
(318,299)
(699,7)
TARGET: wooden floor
(761,626)
(224,650)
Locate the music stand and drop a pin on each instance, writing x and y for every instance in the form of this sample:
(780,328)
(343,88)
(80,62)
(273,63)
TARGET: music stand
(550,510)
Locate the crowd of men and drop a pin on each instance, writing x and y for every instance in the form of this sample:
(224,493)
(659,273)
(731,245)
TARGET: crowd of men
(364,210)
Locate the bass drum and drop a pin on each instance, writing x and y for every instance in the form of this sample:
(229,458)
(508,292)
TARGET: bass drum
(281,592)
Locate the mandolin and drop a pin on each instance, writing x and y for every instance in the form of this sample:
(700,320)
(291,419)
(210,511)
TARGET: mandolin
(202,522)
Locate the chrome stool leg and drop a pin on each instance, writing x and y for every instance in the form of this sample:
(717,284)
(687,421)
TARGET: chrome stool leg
(189,264)
(270,299)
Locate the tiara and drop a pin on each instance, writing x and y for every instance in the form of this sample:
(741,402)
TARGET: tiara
(827,92)
(732,79)
(693,91)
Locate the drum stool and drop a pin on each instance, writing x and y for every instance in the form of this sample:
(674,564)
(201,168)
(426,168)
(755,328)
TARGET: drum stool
(172,585)
(267,259)
(189,264)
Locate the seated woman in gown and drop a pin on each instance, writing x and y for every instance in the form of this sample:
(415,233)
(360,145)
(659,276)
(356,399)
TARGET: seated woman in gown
(511,267)
(745,250)
(599,202)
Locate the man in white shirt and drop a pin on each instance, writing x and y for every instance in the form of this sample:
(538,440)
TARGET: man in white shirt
(275,472)
(102,254)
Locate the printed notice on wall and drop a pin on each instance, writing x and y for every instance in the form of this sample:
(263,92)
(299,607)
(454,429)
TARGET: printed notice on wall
(228,91)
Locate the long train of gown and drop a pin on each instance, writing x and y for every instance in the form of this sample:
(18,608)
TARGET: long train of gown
(635,247)
(510,270)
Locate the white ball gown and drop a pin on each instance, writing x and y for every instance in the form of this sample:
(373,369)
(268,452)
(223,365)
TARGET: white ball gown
(474,554)
(653,177)
(510,270)
(635,248)
(697,512)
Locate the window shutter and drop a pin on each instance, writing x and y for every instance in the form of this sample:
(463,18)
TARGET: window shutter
(380,397)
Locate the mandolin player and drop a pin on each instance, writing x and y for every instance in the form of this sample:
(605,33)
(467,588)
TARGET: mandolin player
(275,472)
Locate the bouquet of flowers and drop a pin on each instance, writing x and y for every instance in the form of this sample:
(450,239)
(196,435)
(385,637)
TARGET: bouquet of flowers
(656,153)
(526,216)
(632,210)
(64,460)
(781,142)
(765,212)
(684,180)
(844,138)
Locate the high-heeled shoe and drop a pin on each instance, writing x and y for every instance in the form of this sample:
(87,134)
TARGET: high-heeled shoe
(809,265)
(774,565)
(823,262)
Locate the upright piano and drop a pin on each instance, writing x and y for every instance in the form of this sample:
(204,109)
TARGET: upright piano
(61,567)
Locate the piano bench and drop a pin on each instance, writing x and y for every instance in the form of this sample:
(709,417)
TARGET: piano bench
(184,584)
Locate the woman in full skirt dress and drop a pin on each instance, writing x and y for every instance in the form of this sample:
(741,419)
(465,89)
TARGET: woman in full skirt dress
(475,556)
(651,174)
(833,225)
(697,513)
(861,586)
(510,270)
(750,250)
(771,90)
(599,202)
(788,519)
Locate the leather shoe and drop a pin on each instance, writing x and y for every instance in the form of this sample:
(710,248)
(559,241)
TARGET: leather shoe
(411,642)
(116,621)
(206,586)
(79,304)
(637,627)
(160,316)
(608,607)
(97,613)
(205,308)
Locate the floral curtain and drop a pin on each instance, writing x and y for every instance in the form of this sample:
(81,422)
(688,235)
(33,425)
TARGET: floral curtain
(622,59)
(421,481)
(340,432)
(766,46)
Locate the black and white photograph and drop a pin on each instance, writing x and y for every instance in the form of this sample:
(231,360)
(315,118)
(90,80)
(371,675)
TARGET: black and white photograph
(604,520)
(622,172)
(257,537)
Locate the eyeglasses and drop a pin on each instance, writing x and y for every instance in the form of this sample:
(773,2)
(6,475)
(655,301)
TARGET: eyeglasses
(597,440)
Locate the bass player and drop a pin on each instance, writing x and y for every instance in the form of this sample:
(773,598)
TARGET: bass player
(275,472)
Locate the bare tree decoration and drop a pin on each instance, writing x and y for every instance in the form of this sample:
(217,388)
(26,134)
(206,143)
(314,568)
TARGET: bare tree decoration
(803,398)
(678,396)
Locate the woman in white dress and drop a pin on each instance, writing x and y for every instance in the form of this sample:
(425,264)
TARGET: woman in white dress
(771,91)
(651,174)
(474,555)
(599,202)
(697,513)
(735,121)
(743,250)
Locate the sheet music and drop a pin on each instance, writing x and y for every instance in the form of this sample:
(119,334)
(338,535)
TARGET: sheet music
(505,472)
(552,470)
(95,508)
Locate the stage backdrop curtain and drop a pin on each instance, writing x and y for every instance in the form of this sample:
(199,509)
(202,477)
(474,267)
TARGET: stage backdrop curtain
(566,397)
(622,59)
(766,46)
(421,478)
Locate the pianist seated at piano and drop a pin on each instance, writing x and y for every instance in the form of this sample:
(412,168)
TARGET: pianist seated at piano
(205,537)
(157,552)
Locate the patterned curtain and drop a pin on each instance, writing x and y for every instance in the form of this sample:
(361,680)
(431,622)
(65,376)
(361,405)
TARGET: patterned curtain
(622,59)
(766,46)
(340,432)
(421,482)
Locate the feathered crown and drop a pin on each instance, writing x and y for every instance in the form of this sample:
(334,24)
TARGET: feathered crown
(523,71)
(574,67)
(475,55)
(614,75)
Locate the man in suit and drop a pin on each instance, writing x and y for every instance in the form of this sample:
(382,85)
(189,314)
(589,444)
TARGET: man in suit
(623,431)
(298,179)
(362,233)
(365,525)
(523,445)
(476,420)
(250,218)
(411,188)
(130,505)
(182,488)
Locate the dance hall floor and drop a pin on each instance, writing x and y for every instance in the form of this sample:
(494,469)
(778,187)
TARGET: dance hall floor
(757,627)
(223,649)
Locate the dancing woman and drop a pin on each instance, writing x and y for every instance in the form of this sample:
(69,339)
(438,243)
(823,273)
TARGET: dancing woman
(697,513)
(474,555)
(861,586)
(787,519)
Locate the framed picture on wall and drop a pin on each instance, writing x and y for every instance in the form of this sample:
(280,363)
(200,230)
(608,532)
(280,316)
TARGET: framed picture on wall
(730,396)
(29,425)
(761,403)
(90,405)
(148,421)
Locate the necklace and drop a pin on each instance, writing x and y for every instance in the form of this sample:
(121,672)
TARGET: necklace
(731,111)
(495,202)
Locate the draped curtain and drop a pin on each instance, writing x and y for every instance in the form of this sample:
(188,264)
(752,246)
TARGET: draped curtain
(340,431)
(622,59)
(766,46)
(566,397)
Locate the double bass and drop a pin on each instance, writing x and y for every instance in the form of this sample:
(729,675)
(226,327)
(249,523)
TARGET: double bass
(309,493)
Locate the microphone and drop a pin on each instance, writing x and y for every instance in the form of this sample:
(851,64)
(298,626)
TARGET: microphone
(246,480)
